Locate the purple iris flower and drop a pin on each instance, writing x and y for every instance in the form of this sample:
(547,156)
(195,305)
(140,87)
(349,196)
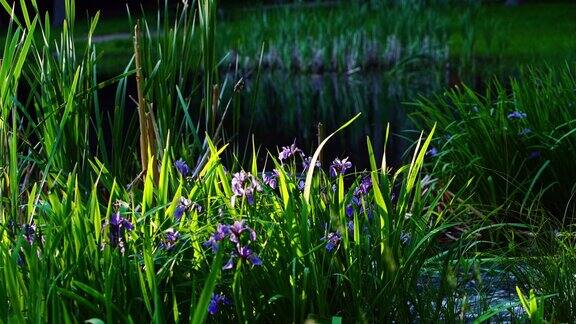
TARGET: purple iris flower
(29,232)
(339,167)
(357,201)
(215,301)
(170,239)
(333,241)
(432,152)
(238,228)
(301,185)
(233,233)
(182,167)
(350,210)
(288,151)
(534,154)
(244,253)
(222,231)
(517,115)
(271,179)
(306,163)
(183,206)
(117,226)
(179,211)
(245,184)
(363,188)
(525,132)
(351,228)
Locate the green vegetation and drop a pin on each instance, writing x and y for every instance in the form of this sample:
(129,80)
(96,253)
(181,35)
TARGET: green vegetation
(514,142)
(525,34)
(113,214)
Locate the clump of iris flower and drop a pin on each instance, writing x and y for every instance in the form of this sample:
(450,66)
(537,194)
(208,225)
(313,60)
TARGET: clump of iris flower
(183,206)
(222,231)
(182,167)
(517,115)
(245,184)
(332,241)
(307,161)
(117,226)
(271,178)
(242,251)
(339,167)
(360,193)
(524,132)
(215,301)
(289,151)
(235,234)
(432,152)
(170,239)
(363,188)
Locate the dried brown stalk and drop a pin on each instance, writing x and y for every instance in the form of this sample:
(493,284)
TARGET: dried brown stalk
(145,114)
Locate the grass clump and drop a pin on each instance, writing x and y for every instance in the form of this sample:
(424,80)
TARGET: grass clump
(515,140)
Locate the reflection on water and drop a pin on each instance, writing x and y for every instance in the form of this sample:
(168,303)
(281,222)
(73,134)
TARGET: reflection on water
(288,107)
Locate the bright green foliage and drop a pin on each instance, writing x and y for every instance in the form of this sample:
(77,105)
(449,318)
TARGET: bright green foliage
(534,310)
(73,270)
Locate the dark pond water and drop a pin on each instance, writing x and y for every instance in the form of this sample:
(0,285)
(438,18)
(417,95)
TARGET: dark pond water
(283,108)
(288,108)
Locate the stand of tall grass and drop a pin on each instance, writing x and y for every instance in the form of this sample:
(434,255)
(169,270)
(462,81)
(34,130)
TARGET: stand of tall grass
(516,140)
(516,143)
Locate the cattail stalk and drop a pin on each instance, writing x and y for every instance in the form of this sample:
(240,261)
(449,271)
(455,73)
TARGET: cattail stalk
(144,116)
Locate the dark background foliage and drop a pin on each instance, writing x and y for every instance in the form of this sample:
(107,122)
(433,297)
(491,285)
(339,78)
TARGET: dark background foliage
(115,7)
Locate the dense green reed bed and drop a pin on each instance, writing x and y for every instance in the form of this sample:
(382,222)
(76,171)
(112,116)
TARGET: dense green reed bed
(114,215)
(525,34)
